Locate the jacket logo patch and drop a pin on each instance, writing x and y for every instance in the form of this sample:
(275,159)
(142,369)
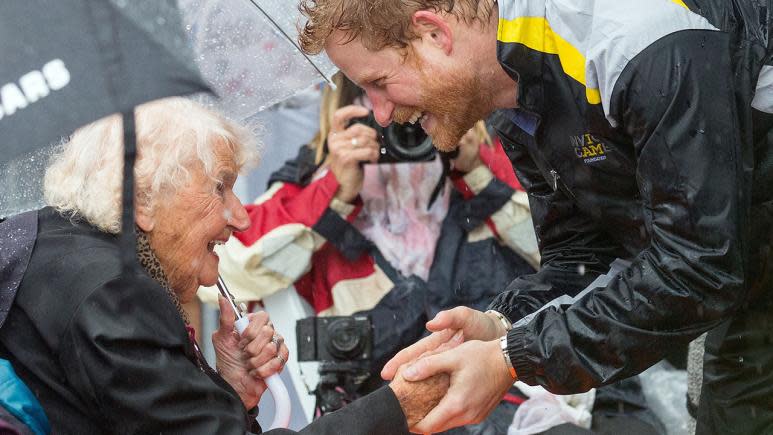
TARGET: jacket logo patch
(588,148)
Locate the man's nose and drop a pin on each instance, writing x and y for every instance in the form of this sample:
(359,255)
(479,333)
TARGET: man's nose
(382,109)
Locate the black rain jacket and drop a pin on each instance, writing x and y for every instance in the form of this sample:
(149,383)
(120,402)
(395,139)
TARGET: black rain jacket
(635,138)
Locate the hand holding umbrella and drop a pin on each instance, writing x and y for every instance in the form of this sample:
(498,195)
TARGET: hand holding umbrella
(274,383)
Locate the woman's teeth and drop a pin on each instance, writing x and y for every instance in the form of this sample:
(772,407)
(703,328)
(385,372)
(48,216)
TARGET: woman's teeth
(211,245)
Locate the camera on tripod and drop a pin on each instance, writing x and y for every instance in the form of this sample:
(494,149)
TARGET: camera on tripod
(400,142)
(344,346)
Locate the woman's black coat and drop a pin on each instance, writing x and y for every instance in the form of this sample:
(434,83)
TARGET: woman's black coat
(106,357)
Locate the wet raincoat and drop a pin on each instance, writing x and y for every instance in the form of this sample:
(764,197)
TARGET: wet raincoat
(642,133)
(103,358)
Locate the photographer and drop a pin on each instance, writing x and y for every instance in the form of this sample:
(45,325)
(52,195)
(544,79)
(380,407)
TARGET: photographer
(397,241)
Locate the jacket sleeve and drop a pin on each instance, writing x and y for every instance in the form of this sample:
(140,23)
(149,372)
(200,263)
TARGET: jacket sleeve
(691,182)
(277,249)
(574,249)
(124,354)
(378,413)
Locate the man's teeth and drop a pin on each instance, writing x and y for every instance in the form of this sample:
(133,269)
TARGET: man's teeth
(415,117)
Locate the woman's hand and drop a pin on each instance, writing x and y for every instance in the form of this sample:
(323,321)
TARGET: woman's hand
(244,361)
(479,377)
(348,147)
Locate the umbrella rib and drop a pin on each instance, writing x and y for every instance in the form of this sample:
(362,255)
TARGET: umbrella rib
(292,41)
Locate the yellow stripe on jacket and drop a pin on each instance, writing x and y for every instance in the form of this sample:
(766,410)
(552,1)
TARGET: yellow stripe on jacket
(536,33)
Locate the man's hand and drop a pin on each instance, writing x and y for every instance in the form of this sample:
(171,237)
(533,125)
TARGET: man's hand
(474,325)
(479,378)
(348,147)
(244,361)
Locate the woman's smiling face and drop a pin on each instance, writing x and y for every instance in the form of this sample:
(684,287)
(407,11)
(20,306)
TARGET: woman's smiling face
(184,227)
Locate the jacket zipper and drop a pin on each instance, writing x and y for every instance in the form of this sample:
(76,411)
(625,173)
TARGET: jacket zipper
(554,179)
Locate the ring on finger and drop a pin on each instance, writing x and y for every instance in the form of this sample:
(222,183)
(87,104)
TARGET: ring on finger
(281,359)
(277,340)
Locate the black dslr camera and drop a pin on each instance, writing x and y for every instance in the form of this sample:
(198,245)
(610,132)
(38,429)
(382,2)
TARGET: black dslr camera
(400,142)
(335,339)
(344,346)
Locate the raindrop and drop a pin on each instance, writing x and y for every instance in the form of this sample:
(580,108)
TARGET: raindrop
(581,269)
(740,360)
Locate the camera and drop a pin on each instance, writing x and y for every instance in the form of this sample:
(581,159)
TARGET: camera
(344,345)
(335,338)
(400,142)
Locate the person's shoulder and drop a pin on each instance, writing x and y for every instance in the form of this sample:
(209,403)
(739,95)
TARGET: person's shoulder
(621,35)
(72,246)
(70,259)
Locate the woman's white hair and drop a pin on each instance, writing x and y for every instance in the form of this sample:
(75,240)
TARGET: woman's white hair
(84,179)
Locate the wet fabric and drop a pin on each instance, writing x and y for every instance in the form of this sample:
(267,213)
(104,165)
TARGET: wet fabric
(15,250)
(737,391)
(663,163)
(105,353)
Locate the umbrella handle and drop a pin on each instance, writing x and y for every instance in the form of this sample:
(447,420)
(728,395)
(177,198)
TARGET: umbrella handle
(275,386)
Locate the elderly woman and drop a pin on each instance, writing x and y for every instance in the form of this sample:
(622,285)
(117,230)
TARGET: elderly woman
(103,358)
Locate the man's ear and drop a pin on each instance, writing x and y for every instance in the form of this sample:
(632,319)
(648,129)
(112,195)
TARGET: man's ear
(144,218)
(434,29)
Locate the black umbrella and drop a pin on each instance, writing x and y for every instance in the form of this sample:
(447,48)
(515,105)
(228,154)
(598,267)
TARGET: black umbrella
(68,63)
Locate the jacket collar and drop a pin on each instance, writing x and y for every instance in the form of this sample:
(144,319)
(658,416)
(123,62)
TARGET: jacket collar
(519,20)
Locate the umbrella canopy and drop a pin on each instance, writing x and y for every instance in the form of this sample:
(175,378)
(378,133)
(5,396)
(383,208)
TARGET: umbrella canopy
(247,50)
(66,64)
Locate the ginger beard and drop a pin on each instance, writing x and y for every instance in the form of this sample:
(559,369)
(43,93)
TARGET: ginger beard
(455,103)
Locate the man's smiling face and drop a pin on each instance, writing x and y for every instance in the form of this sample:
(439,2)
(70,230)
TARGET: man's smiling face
(441,93)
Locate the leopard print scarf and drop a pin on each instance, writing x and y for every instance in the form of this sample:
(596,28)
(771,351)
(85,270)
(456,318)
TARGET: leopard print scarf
(152,266)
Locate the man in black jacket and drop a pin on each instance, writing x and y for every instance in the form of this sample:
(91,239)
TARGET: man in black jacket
(640,131)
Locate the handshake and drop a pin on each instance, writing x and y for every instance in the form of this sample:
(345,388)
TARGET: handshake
(453,377)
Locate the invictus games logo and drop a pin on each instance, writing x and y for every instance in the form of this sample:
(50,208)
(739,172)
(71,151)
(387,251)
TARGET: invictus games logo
(588,148)
(33,86)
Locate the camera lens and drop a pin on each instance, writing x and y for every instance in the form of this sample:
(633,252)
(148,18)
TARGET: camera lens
(345,339)
(409,142)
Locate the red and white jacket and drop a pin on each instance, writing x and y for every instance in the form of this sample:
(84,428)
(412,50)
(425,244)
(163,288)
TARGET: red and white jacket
(285,245)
